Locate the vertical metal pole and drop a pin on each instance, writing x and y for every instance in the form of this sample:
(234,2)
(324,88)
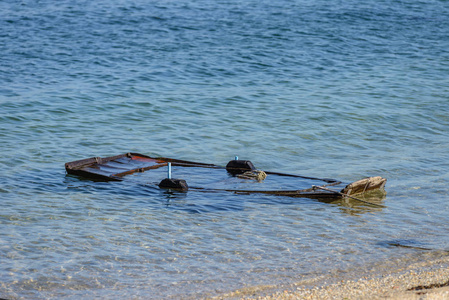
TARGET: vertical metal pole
(169,171)
(236,158)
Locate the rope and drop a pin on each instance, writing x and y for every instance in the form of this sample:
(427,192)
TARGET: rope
(255,174)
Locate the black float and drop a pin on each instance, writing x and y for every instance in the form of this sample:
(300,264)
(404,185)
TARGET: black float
(238,166)
(172,183)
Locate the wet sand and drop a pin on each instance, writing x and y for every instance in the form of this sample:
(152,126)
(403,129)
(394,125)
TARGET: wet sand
(425,280)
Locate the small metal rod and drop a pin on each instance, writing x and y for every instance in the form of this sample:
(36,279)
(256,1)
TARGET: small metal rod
(169,170)
(346,195)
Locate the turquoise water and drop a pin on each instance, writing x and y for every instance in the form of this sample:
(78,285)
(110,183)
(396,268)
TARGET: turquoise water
(337,89)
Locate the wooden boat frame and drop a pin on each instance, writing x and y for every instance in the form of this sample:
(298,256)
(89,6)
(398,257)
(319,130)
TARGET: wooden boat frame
(115,168)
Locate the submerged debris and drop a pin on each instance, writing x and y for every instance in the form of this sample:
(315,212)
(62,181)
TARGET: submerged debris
(213,178)
(256,174)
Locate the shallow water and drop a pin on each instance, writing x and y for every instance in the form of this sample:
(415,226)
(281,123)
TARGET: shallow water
(324,89)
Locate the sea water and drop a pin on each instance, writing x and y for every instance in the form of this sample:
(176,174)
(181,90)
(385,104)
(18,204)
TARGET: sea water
(337,89)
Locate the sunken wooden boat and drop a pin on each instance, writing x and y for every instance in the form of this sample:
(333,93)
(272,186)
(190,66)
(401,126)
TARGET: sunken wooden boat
(238,176)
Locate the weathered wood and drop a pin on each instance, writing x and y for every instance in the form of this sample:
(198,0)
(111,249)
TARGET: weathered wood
(364,185)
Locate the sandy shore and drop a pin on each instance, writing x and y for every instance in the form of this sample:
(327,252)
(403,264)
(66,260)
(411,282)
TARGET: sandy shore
(426,280)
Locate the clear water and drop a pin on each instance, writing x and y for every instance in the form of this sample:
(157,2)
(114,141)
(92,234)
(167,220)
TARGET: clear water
(338,89)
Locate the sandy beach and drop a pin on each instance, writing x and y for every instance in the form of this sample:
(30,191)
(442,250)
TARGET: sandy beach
(425,280)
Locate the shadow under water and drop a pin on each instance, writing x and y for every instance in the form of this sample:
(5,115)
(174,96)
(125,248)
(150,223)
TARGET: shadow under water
(355,207)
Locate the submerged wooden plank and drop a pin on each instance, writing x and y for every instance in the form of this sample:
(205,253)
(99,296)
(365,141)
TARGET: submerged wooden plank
(110,166)
(124,164)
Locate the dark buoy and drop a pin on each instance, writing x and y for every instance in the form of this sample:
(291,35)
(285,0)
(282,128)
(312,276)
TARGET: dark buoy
(238,166)
(175,184)
(171,183)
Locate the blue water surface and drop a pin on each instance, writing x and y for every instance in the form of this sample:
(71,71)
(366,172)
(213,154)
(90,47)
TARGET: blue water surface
(338,89)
